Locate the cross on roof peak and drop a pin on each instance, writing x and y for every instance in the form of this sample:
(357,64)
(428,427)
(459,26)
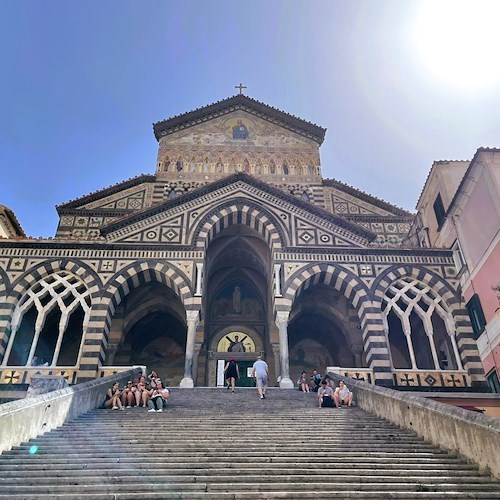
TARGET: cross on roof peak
(241,87)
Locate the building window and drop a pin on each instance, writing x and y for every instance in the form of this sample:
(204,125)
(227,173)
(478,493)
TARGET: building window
(439,210)
(492,379)
(476,315)
(458,257)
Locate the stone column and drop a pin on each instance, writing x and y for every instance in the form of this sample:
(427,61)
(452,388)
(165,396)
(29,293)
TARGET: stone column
(277,280)
(193,320)
(199,278)
(282,324)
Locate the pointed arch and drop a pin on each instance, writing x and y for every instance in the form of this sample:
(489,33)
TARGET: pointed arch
(356,292)
(241,211)
(116,289)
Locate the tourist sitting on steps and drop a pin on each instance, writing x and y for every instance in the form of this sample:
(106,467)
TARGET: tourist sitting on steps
(315,380)
(303,386)
(158,397)
(342,395)
(113,398)
(325,395)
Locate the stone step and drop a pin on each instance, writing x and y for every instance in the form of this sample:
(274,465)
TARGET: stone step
(376,457)
(255,485)
(194,465)
(211,444)
(215,470)
(264,495)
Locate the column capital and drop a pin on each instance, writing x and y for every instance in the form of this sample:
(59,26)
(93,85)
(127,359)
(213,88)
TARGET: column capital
(282,318)
(193,316)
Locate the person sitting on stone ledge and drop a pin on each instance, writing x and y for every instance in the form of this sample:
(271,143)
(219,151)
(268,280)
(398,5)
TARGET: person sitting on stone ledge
(325,395)
(330,382)
(113,398)
(152,378)
(342,395)
(128,394)
(158,397)
(141,393)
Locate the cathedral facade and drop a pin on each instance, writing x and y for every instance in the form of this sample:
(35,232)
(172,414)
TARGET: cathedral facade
(235,246)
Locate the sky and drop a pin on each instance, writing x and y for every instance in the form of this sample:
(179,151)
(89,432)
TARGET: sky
(397,85)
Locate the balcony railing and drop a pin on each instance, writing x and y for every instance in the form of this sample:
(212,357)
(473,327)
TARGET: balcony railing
(22,374)
(426,379)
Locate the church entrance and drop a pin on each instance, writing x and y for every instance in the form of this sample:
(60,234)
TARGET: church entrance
(239,346)
(236,302)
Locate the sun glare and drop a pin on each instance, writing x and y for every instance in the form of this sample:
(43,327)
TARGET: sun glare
(459,40)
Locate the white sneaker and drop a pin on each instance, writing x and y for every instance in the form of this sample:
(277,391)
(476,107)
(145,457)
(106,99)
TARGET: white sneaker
(152,409)
(159,411)
(115,407)
(122,408)
(129,406)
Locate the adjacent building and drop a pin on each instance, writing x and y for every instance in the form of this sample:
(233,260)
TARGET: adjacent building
(459,209)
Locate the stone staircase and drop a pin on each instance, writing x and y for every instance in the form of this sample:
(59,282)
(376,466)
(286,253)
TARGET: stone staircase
(214,444)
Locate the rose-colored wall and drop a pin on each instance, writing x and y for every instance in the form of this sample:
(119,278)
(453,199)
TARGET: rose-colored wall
(479,221)
(488,275)
(491,360)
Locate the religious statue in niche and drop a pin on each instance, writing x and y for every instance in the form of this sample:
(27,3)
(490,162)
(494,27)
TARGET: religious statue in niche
(236,345)
(240,131)
(246,166)
(237,300)
(219,167)
(179,166)
(285,169)
(166,164)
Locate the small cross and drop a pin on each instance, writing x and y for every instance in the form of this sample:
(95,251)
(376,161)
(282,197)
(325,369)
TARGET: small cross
(241,87)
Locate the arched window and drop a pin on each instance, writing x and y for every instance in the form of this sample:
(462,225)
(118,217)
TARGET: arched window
(419,327)
(49,322)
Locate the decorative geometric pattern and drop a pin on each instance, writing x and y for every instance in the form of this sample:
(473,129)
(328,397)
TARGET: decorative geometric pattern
(434,379)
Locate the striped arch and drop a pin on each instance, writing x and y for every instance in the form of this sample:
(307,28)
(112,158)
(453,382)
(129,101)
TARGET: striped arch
(96,340)
(346,282)
(28,280)
(464,336)
(241,211)
(4,281)
(5,311)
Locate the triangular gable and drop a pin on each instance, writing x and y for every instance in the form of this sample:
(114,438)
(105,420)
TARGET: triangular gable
(127,195)
(176,221)
(218,133)
(239,102)
(346,200)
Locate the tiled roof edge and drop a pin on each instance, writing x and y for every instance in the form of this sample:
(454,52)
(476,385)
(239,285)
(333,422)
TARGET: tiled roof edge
(374,200)
(100,193)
